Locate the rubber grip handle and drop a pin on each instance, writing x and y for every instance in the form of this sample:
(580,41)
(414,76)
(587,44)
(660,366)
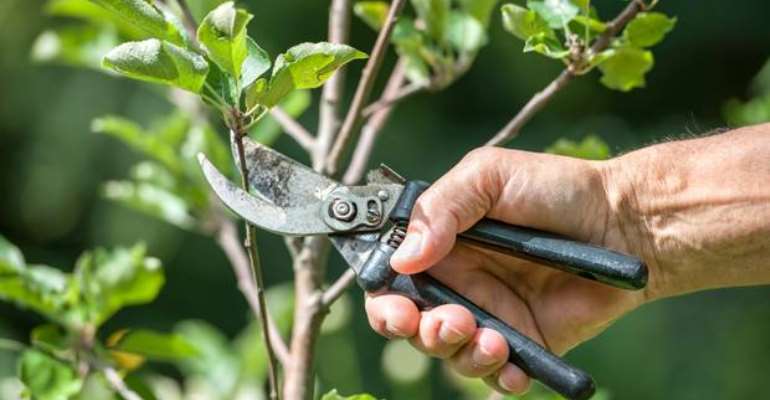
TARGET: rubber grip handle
(532,358)
(588,261)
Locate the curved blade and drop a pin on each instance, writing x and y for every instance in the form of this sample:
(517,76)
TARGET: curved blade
(284,212)
(280,180)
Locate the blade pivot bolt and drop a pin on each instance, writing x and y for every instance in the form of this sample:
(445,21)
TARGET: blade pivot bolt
(342,210)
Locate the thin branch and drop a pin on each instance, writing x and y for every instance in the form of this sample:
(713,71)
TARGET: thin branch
(118,385)
(401,94)
(188,20)
(331,98)
(373,126)
(227,238)
(338,287)
(238,132)
(293,128)
(540,99)
(365,86)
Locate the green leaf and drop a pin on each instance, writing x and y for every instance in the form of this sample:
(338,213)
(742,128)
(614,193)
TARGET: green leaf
(465,33)
(135,136)
(11,258)
(223,33)
(152,200)
(648,29)
(524,23)
(43,289)
(220,87)
(545,45)
(373,13)
(52,339)
(591,147)
(479,9)
(46,378)
(257,62)
(158,61)
(154,345)
(333,395)
(146,16)
(268,130)
(81,45)
(111,280)
(410,43)
(624,68)
(582,4)
(557,13)
(215,360)
(306,66)
(590,23)
(752,112)
(435,15)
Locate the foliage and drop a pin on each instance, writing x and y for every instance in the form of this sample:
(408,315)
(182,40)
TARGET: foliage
(566,30)
(440,42)
(592,147)
(755,110)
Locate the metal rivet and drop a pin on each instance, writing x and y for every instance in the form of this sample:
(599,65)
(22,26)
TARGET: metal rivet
(383,195)
(342,210)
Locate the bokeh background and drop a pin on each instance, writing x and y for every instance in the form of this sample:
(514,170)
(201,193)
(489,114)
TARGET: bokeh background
(709,345)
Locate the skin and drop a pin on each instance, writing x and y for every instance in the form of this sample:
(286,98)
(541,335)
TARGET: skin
(696,211)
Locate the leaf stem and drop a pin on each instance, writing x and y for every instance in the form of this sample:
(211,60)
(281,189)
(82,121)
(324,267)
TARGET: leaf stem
(238,132)
(12,345)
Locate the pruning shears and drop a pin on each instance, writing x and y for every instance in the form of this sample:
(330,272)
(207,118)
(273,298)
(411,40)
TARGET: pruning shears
(367,223)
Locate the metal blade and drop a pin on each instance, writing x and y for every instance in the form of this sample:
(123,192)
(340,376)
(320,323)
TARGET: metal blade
(281,217)
(355,248)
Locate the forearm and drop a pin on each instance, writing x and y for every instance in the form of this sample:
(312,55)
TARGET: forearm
(697,210)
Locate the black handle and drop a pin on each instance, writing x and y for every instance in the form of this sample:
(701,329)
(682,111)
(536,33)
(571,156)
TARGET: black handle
(533,359)
(582,259)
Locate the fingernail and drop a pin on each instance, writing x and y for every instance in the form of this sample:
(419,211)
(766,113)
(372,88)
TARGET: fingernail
(503,383)
(482,357)
(449,335)
(409,249)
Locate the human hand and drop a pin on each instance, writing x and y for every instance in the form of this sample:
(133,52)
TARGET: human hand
(556,309)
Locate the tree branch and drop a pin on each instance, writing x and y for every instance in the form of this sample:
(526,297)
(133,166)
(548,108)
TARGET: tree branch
(365,86)
(329,111)
(238,132)
(338,288)
(373,126)
(228,239)
(401,94)
(118,385)
(293,129)
(540,99)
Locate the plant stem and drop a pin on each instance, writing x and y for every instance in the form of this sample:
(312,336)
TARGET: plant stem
(331,98)
(293,129)
(365,86)
(401,94)
(228,240)
(118,385)
(238,132)
(540,99)
(11,345)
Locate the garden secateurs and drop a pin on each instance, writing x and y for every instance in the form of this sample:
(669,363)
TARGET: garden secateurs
(367,223)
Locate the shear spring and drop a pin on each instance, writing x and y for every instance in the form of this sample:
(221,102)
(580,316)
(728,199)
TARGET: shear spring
(397,235)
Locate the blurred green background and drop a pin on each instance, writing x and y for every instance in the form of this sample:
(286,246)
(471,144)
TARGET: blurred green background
(705,346)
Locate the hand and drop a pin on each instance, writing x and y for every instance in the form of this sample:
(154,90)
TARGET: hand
(556,309)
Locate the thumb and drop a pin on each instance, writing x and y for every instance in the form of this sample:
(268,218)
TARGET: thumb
(451,205)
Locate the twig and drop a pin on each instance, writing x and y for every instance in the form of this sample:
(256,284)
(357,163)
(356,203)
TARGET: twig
(11,345)
(373,126)
(228,239)
(188,20)
(365,86)
(338,287)
(329,111)
(238,132)
(540,99)
(293,129)
(358,163)
(401,94)
(117,384)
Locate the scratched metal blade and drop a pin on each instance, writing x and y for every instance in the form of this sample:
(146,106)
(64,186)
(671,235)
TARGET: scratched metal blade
(284,214)
(281,180)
